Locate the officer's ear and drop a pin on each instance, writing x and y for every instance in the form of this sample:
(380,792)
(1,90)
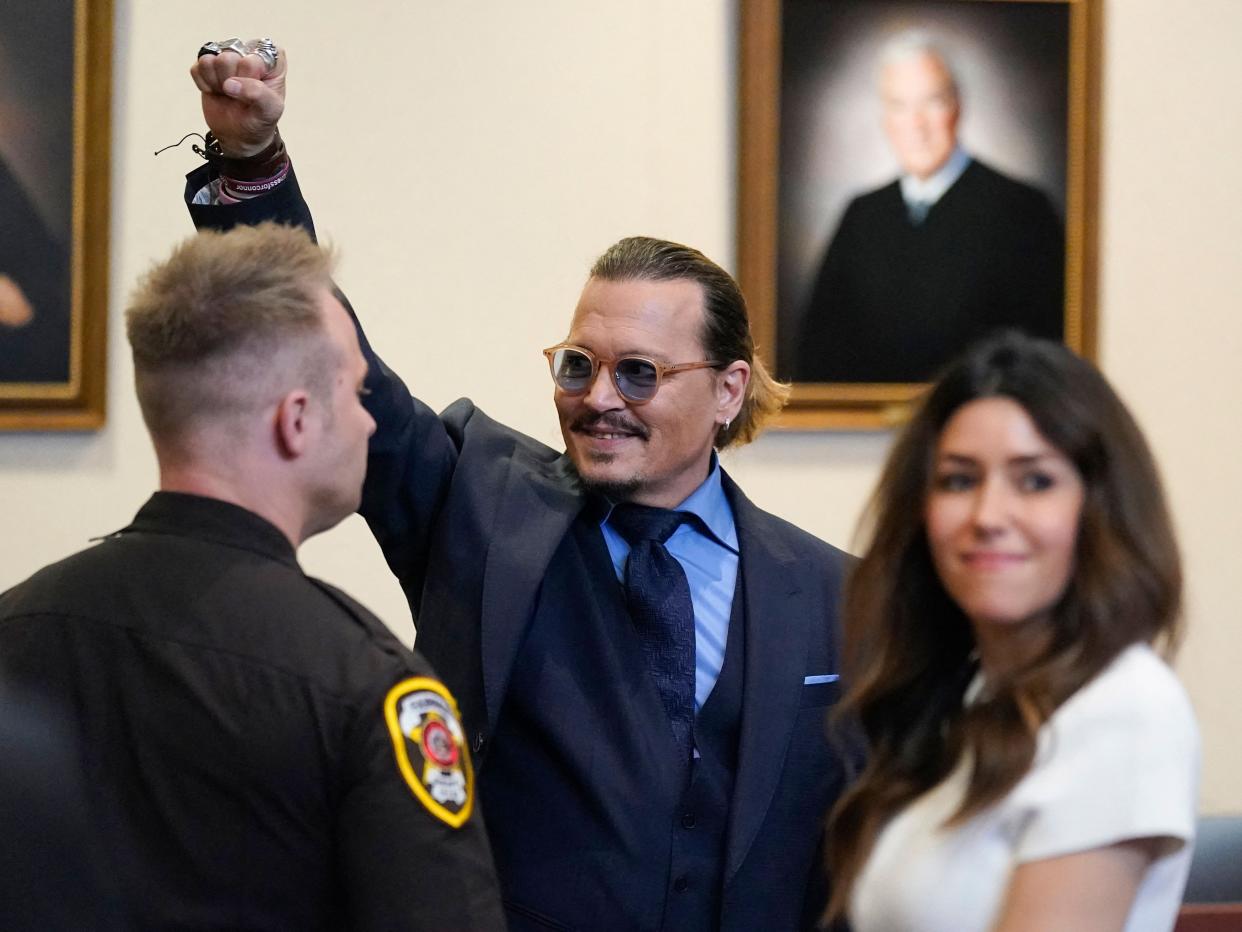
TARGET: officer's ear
(292,424)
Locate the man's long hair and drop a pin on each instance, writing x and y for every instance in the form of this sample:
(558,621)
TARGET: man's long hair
(726,333)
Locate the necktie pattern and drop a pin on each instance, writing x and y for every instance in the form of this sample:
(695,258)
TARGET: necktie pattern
(658,596)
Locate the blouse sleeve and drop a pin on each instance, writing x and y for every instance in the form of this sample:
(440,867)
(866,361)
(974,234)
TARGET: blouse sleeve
(1118,761)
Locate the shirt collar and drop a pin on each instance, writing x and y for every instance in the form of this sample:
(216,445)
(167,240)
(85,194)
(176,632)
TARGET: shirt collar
(212,519)
(930,190)
(709,504)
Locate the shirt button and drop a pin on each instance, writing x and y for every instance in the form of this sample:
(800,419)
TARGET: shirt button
(688,820)
(681,884)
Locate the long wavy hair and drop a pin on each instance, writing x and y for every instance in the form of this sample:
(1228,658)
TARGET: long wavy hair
(909,647)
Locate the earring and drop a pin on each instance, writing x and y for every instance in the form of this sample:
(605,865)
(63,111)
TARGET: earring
(727,422)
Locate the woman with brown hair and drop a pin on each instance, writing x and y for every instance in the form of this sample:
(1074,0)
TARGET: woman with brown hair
(1033,763)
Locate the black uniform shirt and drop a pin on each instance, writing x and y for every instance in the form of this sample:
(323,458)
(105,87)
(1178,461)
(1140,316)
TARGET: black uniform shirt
(259,751)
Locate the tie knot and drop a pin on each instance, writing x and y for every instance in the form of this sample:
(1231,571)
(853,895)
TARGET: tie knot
(918,211)
(639,522)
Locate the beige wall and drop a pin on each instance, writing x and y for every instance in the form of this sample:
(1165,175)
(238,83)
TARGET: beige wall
(471,159)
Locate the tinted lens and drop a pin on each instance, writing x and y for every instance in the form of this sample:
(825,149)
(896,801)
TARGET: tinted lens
(571,370)
(637,378)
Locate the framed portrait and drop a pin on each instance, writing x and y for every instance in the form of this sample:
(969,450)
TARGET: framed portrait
(913,174)
(55,77)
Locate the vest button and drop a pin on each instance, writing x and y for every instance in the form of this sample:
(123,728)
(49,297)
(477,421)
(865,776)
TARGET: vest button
(681,884)
(688,820)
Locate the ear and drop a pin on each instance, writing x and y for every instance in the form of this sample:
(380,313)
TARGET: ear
(292,424)
(731,384)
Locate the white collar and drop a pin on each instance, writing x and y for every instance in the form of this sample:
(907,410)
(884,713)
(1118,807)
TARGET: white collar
(930,190)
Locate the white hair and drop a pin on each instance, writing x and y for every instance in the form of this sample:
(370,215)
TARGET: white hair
(912,43)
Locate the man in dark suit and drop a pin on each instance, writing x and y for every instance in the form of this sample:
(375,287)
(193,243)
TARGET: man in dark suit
(611,801)
(925,265)
(34,291)
(36,117)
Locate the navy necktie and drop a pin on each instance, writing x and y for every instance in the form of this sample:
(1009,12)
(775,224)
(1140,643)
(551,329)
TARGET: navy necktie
(659,600)
(918,211)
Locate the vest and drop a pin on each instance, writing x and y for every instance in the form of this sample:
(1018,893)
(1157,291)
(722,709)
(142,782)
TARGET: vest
(595,822)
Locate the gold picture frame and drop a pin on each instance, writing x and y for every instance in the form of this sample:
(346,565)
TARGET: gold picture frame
(55,109)
(789,96)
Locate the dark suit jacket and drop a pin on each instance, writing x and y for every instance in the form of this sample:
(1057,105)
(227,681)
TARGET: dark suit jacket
(468,513)
(894,302)
(39,264)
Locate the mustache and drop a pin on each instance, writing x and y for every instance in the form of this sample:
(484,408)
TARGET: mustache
(610,421)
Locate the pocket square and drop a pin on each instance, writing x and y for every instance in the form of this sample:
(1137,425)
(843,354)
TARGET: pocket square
(820,678)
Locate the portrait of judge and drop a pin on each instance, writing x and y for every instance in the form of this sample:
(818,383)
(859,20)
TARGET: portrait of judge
(36,182)
(922,264)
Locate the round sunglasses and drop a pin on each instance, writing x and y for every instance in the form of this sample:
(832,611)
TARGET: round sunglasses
(637,378)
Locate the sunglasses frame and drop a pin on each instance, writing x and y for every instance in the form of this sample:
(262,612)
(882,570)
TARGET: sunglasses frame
(598,362)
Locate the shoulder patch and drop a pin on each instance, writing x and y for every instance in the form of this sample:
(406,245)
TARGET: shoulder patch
(430,746)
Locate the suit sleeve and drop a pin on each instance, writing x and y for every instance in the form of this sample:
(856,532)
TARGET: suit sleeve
(38,263)
(412,456)
(818,345)
(1037,284)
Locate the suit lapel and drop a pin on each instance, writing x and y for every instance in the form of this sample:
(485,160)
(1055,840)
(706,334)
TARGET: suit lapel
(777,620)
(538,502)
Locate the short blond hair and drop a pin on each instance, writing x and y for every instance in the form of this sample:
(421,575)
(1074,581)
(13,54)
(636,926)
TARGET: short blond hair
(219,327)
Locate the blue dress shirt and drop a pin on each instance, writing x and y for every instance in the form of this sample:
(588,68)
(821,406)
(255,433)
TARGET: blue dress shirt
(710,559)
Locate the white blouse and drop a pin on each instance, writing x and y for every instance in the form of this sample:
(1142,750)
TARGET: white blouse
(1119,760)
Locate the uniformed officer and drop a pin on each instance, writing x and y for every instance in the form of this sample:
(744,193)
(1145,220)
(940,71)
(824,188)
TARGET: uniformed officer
(259,751)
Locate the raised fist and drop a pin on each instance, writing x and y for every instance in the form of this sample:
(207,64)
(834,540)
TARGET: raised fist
(243,98)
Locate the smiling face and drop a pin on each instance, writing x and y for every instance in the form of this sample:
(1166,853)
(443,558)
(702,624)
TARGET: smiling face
(655,453)
(920,113)
(1002,519)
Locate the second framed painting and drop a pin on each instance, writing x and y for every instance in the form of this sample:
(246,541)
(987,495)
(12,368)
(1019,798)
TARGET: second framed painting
(913,174)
